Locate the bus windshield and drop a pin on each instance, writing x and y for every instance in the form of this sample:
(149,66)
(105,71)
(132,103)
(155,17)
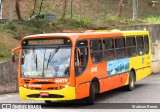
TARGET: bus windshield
(45,62)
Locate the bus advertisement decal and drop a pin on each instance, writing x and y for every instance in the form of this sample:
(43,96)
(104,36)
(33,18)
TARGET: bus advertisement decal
(118,66)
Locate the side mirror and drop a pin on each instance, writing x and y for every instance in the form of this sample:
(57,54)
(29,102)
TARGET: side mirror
(13,57)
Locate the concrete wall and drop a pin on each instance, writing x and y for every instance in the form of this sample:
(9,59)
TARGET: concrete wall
(155,42)
(8,77)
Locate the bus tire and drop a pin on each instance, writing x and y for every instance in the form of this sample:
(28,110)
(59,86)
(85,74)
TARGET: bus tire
(131,84)
(47,101)
(90,99)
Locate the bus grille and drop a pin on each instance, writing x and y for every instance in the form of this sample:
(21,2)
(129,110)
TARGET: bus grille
(50,96)
(26,81)
(50,88)
(43,83)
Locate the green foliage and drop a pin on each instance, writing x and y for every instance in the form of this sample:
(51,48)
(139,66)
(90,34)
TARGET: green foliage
(112,17)
(47,7)
(8,26)
(85,22)
(4,53)
(152,20)
(19,29)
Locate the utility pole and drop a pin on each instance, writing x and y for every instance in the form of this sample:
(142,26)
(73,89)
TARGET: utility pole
(0,9)
(105,9)
(135,10)
(71,8)
(10,11)
(80,10)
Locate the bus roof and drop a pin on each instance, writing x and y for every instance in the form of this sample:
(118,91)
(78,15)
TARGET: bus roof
(90,34)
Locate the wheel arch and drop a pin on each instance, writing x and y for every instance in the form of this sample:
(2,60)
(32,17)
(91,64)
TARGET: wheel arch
(96,83)
(133,70)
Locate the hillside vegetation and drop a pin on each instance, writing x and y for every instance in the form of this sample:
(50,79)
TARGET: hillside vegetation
(92,18)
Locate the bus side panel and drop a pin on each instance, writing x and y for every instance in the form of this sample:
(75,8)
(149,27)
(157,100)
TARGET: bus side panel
(84,80)
(113,82)
(136,64)
(83,84)
(82,90)
(108,83)
(142,66)
(117,74)
(124,79)
(146,67)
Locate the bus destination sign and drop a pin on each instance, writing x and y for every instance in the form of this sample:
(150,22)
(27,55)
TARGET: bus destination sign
(46,42)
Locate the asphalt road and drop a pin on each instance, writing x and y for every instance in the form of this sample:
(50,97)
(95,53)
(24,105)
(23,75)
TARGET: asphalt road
(146,91)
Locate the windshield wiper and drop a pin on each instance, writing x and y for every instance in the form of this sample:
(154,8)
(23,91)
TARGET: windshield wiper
(35,59)
(36,63)
(52,55)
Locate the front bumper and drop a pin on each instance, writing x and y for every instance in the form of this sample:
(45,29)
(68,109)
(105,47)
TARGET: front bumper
(68,93)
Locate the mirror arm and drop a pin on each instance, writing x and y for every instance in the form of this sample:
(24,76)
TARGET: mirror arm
(16,49)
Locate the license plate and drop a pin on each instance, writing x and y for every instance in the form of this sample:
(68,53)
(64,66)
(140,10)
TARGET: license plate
(44,94)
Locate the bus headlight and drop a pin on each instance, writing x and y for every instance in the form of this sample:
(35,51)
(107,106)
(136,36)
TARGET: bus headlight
(66,85)
(24,85)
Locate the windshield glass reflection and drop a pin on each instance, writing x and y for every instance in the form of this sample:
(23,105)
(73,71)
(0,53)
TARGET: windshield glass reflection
(46,62)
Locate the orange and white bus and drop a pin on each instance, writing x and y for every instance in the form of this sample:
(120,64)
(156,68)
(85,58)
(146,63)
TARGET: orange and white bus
(69,66)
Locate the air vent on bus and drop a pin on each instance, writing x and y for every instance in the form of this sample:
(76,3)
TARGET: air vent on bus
(37,88)
(26,81)
(55,88)
(49,96)
(43,83)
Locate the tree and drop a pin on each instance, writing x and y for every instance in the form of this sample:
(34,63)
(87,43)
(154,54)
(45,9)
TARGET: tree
(120,8)
(41,6)
(18,12)
(34,8)
(129,2)
(64,9)
(10,11)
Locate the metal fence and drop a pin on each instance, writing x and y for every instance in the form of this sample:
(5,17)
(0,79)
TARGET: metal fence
(91,9)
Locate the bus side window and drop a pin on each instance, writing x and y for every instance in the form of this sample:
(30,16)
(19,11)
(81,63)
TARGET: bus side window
(109,52)
(131,46)
(96,50)
(120,47)
(81,57)
(146,43)
(140,45)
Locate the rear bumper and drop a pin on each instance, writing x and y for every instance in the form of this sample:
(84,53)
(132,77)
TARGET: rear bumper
(68,93)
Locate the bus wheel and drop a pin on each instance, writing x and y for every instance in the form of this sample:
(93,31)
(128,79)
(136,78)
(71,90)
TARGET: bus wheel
(131,84)
(47,101)
(90,99)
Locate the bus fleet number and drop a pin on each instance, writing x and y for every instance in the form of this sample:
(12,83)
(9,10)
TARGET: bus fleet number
(94,69)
